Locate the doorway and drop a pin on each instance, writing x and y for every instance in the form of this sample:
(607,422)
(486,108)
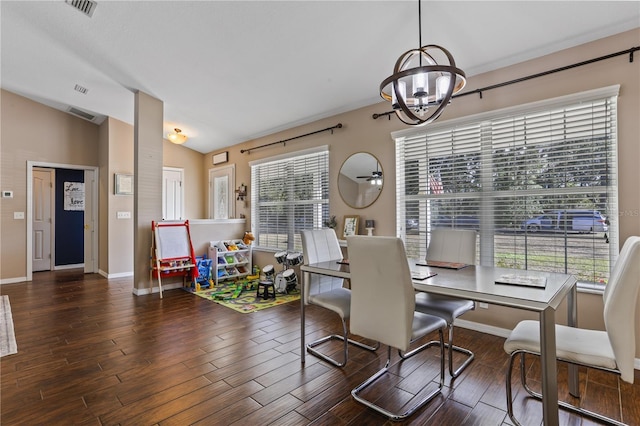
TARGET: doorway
(90,237)
(172,193)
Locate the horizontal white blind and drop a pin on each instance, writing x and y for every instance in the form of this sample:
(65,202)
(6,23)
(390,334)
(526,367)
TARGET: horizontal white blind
(501,176)
(288,195)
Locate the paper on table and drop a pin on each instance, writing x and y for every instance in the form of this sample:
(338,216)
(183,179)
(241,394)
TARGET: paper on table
(441,264)
(523,280)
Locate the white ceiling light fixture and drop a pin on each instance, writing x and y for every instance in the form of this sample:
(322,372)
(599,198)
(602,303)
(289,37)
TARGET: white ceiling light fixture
(177,137)
(421,87)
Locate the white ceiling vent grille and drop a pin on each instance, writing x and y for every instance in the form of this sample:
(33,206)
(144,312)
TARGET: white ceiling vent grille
(85,6)
(81,114)
(81,89)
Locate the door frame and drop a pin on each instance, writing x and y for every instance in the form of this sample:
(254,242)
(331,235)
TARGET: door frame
(29,212)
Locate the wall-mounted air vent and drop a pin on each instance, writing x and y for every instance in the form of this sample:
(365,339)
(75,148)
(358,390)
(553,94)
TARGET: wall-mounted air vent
(81,114)
(85,6)
(81,89)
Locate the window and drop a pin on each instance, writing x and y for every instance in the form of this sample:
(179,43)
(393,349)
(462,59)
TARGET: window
(537,181)
(289,193)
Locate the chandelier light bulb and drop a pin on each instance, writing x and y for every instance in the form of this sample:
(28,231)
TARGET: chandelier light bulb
(420,87)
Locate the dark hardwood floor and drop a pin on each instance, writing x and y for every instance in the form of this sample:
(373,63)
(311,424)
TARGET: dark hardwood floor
(90,352)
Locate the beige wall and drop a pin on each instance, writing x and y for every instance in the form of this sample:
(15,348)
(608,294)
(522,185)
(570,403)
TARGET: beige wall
(116,238)
(33,132)
(361,132)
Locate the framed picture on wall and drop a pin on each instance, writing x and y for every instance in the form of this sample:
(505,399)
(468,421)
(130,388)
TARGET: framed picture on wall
(350,226)
(123,184)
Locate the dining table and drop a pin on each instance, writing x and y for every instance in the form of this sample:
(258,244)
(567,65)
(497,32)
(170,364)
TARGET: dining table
(536,291)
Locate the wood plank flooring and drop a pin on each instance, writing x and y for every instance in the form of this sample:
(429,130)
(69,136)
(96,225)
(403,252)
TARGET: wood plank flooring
(92,353)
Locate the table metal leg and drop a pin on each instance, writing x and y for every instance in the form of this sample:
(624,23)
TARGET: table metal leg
(572,320)
(305,279)
(549,367)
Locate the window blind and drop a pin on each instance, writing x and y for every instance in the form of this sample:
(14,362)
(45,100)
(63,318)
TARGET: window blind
(537,183)
(288,195)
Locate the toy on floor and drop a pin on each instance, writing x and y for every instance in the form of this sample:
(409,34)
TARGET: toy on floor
(204,279)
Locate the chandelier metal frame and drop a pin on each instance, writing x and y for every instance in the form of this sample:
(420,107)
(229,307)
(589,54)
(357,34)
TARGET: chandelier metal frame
(423,106)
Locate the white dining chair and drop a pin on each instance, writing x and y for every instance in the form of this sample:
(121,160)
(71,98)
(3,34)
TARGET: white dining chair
(612,350)
(457,246)
(383,309)
(320,245)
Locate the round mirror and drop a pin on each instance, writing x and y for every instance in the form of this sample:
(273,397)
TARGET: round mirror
(360,180)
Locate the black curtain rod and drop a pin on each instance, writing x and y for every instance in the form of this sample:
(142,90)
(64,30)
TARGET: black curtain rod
(532,76)
(337,126)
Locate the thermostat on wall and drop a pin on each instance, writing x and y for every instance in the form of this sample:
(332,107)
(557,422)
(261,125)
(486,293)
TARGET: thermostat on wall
(7,194)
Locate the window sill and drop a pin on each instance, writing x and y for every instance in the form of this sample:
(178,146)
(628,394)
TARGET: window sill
(216,221)
(590,288)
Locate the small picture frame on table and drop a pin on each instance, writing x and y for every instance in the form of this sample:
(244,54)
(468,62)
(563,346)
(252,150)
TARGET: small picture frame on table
(350,226)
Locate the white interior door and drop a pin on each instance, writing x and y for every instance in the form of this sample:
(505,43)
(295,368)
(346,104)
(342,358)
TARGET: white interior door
(90,263)
(42,219)
(172,193)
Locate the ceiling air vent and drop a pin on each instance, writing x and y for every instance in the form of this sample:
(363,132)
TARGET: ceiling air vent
(85,6)
(81,89)
(81,114)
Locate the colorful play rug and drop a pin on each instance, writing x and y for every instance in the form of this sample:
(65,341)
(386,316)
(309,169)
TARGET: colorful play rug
(241,296)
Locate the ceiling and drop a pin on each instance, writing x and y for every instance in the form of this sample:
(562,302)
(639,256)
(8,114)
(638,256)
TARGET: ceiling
(232,71)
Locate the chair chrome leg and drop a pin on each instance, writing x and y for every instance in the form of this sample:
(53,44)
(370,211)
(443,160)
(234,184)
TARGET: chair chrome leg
(400,416)
(451,347)
(538,396)
(510,392)
(412,352)
(345,339)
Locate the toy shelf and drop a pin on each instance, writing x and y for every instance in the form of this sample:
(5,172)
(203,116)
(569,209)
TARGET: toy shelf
(232,259)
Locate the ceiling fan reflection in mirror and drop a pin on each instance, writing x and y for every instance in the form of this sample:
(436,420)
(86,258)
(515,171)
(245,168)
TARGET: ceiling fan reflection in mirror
(375,178)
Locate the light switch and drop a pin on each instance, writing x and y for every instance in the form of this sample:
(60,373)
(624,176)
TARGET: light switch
(18,215)
(124,215)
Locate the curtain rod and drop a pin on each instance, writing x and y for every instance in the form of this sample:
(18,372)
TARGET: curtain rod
(532,76)
(337,126)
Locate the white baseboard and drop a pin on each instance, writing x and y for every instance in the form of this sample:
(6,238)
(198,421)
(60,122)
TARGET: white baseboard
(483,328)
(145,291)
(13,280)
(113,276)
(502,332)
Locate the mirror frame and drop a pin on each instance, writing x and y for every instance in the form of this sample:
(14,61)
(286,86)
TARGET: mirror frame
(341,191)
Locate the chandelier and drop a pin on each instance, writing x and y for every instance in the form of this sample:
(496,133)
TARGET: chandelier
(422,82)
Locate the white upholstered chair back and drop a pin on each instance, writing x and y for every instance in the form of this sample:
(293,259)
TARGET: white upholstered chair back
(382,296)
(452,245)
(320,245)
(620,305)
